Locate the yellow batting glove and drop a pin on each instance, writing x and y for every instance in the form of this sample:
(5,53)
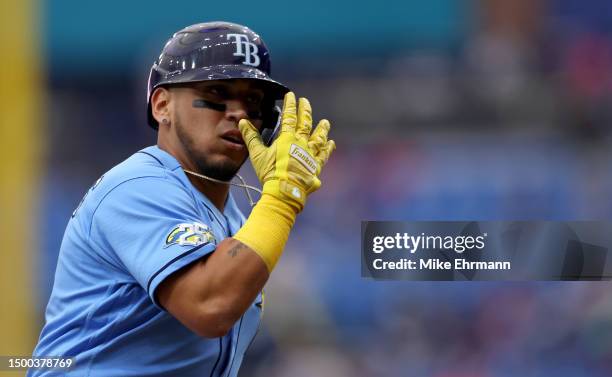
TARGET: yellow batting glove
(289,169)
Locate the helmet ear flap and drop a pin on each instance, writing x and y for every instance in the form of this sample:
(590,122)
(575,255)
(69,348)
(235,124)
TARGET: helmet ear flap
(271,126)
(154,77)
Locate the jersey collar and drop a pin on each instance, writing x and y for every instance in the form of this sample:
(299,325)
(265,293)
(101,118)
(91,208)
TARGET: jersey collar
(164,158)
(168,161)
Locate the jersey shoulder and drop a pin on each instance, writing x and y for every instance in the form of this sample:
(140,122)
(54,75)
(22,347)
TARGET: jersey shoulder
(140,165)
(142,175)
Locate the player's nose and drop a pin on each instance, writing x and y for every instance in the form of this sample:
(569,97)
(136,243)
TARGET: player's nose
(235,110)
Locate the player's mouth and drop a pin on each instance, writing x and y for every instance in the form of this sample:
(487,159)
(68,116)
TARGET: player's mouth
(233,139)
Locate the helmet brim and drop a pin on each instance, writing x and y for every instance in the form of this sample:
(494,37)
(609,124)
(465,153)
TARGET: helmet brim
(274,90)
(226,72)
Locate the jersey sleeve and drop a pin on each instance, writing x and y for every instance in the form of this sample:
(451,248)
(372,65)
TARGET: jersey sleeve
(152,226)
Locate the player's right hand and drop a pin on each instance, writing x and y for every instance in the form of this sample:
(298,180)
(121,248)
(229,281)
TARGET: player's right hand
(289,169)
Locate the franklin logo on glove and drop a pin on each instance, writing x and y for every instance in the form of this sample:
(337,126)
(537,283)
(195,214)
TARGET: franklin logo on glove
(302,156)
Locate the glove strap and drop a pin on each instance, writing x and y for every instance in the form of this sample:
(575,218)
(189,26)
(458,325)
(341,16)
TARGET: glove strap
(287,192)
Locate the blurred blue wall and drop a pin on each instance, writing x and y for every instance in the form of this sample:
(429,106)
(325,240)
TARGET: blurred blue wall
(82,36)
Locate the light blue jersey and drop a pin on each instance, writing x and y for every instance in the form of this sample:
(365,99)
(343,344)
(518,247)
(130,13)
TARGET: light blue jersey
(139,223)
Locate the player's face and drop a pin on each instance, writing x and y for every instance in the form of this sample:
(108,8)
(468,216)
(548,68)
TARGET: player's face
(205,118)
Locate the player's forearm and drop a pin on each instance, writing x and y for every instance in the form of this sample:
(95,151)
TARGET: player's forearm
(239,268)
(234,274)
(231,279)
(211,295)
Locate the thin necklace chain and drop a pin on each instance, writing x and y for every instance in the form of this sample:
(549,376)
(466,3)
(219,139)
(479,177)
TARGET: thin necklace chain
(242,184)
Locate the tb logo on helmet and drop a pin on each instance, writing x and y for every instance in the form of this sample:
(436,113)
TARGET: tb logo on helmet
(245,48)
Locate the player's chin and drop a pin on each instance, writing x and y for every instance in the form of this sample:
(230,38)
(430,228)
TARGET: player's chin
(221,167)
(232,161)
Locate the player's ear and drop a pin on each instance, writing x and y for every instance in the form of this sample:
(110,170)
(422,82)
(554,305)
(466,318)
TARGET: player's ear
(160,105)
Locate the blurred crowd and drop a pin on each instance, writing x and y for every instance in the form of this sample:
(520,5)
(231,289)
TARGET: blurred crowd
(509,121)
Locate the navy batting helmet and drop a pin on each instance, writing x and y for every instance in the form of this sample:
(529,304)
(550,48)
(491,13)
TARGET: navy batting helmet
(214,51)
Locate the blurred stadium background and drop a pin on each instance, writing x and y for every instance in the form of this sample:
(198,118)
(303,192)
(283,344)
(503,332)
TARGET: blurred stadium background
(442,109)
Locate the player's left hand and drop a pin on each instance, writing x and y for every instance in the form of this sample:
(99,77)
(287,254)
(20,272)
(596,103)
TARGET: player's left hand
(289,169)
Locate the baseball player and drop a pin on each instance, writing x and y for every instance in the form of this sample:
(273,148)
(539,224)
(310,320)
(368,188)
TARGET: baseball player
(159,273)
